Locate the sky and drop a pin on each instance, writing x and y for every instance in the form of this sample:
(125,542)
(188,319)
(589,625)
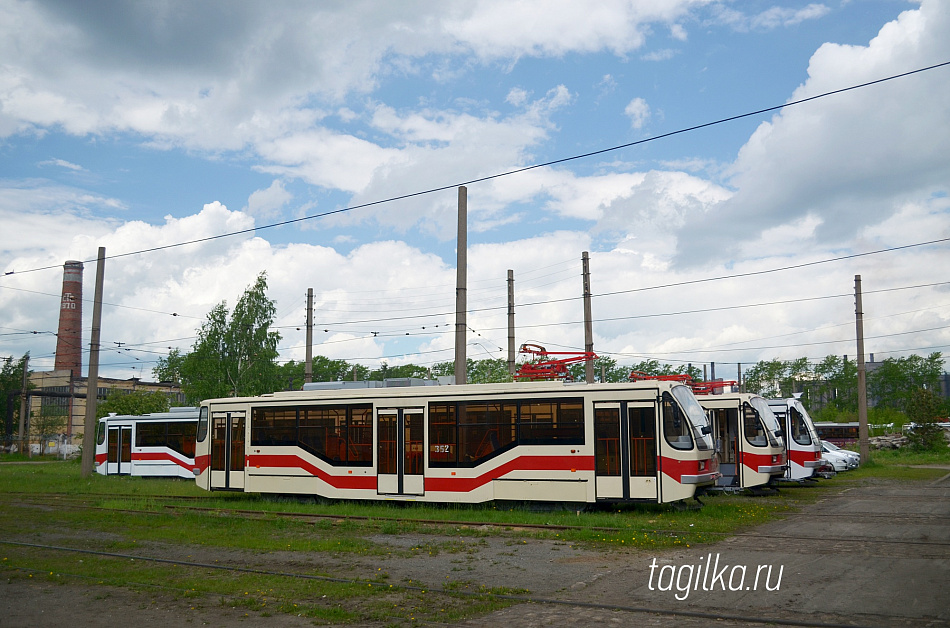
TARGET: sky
(322,143)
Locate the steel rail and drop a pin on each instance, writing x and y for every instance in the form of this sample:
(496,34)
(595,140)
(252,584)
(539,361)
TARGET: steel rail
(455,593)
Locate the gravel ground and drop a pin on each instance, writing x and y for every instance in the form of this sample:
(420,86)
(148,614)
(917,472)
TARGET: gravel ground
(841,562)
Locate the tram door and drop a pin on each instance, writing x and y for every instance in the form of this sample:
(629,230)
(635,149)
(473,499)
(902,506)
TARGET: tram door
(625,435)
(119,461)
(399,451)
(725,422)
(227,451)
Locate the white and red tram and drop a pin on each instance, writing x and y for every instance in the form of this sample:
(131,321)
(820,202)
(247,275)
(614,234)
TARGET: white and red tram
(160,444)
(750,438)
(543,441)
(801,439)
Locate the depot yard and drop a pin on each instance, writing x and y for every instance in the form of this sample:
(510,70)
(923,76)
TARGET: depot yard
(107,546)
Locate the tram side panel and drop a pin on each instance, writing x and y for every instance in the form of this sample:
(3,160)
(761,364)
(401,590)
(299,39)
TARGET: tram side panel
(803,446)
(751,449)
(536,447)
(151,445)
(687,459)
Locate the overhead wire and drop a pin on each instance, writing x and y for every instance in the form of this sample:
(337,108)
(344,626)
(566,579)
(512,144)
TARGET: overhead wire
(511,172)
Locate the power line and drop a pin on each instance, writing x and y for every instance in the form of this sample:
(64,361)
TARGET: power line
(512,171)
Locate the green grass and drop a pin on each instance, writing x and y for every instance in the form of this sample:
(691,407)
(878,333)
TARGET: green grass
(375,599)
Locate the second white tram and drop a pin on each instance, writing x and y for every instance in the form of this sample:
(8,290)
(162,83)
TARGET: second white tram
(541,441)
(749,438)
(801,439)
(160,444)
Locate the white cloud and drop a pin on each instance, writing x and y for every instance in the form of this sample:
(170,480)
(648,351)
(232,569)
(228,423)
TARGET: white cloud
(850,159)
(771,18)
(516,96)
(62,163)
(268,202)
(638,111)
(776,17)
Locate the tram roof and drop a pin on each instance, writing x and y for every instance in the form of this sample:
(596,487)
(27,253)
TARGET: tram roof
(451,390)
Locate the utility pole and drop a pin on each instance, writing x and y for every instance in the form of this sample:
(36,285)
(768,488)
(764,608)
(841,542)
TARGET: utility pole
(461,281)
(511,322)
(92,382)
(25,405)
(308,367)
(862,373)
(588,324)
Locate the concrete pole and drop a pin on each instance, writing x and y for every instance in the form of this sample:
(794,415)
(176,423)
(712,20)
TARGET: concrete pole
(92,382)
(461,282)
(308,367)
(862,373)
(512,367)
(24,404)
(588,323)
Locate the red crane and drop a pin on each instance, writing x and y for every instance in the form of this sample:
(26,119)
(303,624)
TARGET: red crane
(550,368)
(699,388)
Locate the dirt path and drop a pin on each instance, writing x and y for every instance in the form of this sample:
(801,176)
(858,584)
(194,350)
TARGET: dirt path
(875,555)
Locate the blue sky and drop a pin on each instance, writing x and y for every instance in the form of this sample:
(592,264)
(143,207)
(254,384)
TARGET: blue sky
(131,125)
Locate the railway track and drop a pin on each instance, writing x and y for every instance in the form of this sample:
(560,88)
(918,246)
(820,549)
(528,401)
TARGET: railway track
(916,546)
(518,527)
(673,613)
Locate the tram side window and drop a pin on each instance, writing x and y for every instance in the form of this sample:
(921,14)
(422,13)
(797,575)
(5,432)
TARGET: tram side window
(548,423)
(799,429)
(607,440)
(676,426)
(322,432)
(202,424)
(359,445)
(484,429)
(101,435)
(443,436)
(152,434)
(753,428)
(181,437)
(274,426)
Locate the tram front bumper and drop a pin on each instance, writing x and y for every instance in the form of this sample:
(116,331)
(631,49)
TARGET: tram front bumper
(701,478)
(773,468)
(811,464)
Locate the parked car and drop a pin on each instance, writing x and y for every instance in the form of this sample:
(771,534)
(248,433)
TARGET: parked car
(839,461)
(853,458)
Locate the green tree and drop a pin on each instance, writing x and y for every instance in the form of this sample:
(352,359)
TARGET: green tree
(405,370)
(291,374)
(135,402)
(50,423)
(896,381)
(836,385)
(11,380)
(234,355)
(488,371)
(169,369)
(778,378)
(926,408)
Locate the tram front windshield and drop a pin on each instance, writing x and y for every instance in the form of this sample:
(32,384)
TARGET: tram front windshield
(809,424)
(697,416)
(769,419)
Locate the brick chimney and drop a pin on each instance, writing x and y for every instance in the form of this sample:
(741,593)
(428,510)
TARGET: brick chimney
(69,337)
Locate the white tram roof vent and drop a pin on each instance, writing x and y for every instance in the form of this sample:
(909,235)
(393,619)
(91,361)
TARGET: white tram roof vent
(402,382)
(339,385)
(393,382)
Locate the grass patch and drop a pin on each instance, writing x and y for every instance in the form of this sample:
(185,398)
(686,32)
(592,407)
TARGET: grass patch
(50,504)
